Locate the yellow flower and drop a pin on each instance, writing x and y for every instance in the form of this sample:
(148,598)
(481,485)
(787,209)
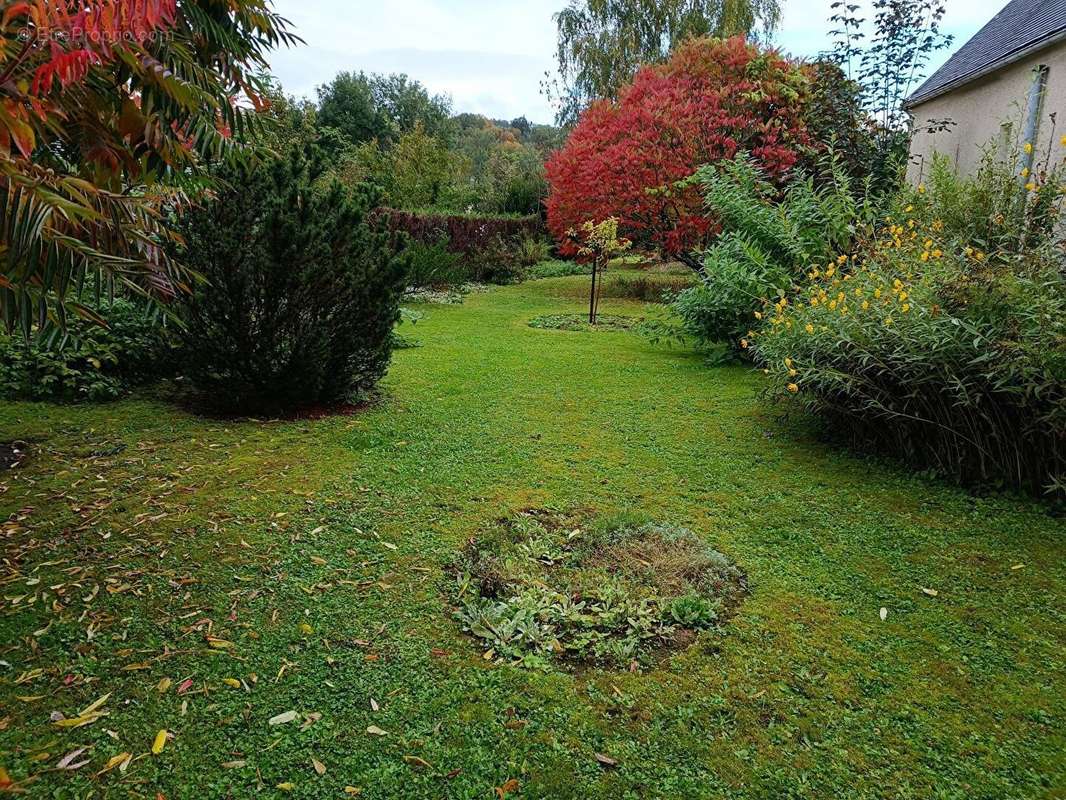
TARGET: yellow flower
(921,188)
(1025,172)
(938,253)
(810,328)
(865,305)
(1028,148)
(1062,141)
(788,362)
(906,307)
(758,315)
(842,260)
(903,296)
(792,373)
(925,256)
(877,293)
(744,343)
(793,388)
(1030,186)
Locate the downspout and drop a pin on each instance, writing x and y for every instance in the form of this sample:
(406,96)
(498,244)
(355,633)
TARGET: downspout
(1034,108)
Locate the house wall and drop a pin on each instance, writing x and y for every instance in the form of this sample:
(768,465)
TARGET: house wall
(991,110)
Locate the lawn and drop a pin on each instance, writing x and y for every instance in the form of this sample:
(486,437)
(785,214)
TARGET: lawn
(208,576)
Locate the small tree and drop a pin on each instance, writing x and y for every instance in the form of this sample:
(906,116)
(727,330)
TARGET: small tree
(597,245)
(302,292)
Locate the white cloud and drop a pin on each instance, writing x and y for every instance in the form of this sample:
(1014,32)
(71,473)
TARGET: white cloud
(491,56)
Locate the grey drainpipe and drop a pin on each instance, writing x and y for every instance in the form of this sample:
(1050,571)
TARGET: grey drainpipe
(1034,107)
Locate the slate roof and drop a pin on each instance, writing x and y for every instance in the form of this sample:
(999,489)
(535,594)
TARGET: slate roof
(1021,27)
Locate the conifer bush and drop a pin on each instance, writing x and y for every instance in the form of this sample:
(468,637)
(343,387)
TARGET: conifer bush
(301,290)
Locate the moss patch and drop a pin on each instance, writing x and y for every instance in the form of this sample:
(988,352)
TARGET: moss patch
(542,588)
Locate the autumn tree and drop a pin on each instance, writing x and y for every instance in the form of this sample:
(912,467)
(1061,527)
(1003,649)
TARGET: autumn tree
(602,43)
(632,159)
(108,112)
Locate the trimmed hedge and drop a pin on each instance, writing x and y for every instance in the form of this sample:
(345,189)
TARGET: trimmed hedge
(489,245)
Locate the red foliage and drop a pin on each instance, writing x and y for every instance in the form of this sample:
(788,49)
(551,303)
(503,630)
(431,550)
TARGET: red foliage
(712,99)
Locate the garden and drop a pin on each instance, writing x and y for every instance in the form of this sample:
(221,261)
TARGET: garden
(355,447)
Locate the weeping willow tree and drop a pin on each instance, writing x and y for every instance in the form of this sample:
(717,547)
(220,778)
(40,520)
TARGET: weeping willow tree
(601,43)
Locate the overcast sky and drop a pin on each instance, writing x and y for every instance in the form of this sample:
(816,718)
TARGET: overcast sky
(491,55)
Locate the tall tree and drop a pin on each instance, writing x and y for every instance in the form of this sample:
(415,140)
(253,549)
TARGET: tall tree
(107,111)
(360,107)
(632,159)
(887,60)
(602,43)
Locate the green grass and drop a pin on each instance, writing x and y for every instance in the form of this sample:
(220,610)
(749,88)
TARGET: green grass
(317,550)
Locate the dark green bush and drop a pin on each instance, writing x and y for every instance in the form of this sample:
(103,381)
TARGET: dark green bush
(434,265)
(301,291)
(93,362)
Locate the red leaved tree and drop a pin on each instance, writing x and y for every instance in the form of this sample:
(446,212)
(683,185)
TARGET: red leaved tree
(629,159)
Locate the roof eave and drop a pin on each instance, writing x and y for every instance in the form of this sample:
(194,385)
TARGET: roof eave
(1006,61)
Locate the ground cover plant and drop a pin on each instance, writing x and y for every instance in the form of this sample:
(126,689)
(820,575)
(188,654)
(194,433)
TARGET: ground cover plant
(577,322)
(543,587)
(208,577)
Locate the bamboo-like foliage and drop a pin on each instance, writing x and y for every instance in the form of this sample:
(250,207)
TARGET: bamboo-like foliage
(107,112)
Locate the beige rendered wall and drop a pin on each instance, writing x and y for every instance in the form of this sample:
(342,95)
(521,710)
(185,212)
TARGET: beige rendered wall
(983,110)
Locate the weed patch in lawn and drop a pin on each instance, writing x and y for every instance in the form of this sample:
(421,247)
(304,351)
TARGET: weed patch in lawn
(543,590)
(576,322)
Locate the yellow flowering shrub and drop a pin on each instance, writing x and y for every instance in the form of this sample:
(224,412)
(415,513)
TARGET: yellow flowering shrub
(937,341)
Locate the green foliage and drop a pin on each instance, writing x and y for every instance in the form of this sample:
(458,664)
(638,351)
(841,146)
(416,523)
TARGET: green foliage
(768,240)
(557,269)
(533,250)
(945,342)
(301,296)
(601,44)
(542,589)
(434,265)
(92,362)
(361,108)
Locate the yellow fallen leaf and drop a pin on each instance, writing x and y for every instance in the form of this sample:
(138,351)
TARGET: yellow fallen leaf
(7,783)
(352,791)
(159,743)
(114,761)
(374,730)
(163,685)
(319,767)
(79,722)
(236,684)
(930,592)
(306,629)
(288,786)
(91,708)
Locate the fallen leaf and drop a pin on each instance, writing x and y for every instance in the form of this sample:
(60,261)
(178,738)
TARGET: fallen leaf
(306,629)
(163,685)
(319,767)
(114,761)
(374,730)
(287,786)
(1018,566)
(930,592)
(234,764)
(67,761)
(233,682)
(352,791)
(508,787)
(374,705)
(420,763)
(159,743)
(283,719)
(884,613)
(5,780)
(605,760)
